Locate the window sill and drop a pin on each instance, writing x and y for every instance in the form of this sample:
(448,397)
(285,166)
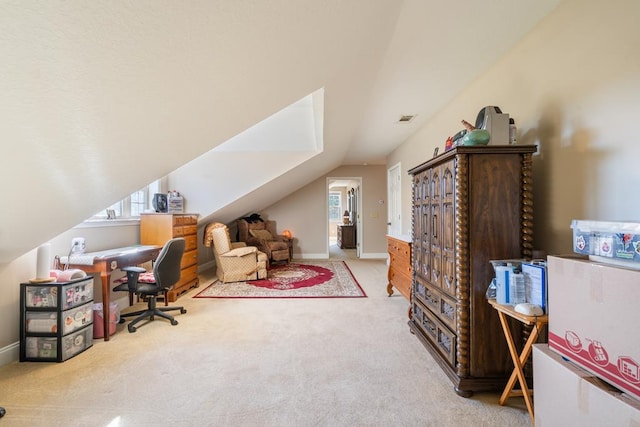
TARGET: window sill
(99,223)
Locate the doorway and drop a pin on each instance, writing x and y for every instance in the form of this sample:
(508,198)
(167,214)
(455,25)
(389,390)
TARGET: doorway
(344,236)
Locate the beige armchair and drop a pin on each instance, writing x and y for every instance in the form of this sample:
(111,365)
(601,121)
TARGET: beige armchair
(235,261)
(263,235)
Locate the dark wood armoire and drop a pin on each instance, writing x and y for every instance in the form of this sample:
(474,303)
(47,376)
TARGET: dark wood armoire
(471,204)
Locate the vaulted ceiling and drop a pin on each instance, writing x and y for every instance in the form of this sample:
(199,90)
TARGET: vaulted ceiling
(100,98)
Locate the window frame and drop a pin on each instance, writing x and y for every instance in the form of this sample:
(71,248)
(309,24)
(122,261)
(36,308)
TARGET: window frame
(338,196)
(123,207)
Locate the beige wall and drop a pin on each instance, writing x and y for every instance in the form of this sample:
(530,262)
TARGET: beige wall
(573,87)
(304,212)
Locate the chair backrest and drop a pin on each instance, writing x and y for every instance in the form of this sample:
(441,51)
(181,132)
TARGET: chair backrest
(245,227)
(219,235)
(166,268)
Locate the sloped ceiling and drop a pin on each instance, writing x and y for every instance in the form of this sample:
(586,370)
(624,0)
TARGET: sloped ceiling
(100,98)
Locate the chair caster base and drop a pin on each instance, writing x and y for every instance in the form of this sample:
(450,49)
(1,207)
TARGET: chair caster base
(2,412)
(174,322)
(132,329)
(183,311)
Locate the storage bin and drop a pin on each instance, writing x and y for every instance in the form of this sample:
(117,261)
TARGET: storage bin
(611,239)
(98,323)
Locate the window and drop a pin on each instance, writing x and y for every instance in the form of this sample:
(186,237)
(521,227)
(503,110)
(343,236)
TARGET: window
(335,206)
(133,205)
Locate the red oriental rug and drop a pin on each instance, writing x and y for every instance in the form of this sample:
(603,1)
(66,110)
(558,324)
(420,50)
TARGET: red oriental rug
(319,279)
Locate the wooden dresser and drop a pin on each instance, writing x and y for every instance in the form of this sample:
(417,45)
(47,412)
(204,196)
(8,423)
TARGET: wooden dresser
(399,273)
(158,228)
(471,205)
(347,236)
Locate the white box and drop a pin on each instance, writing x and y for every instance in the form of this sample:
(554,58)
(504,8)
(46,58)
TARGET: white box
(567,395)
(594,314)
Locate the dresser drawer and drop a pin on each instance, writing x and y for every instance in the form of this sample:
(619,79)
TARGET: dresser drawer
(401,281)
(400,260)
(401,250)
(189,258)
(442,338)
(178,231)
(191,242)
(189,229)
(187,275)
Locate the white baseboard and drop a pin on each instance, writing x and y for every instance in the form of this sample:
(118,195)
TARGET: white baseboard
(206,266)
(311,256)
(10,353)
(374,255)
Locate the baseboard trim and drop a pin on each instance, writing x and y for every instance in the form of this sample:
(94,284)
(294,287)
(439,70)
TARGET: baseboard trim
(374,255)
(311,256)
(206,266)
(10,353)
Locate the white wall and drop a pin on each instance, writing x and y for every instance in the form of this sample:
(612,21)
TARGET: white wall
(573,87)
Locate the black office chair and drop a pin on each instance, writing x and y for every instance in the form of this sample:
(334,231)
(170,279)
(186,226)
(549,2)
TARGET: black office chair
(166,271)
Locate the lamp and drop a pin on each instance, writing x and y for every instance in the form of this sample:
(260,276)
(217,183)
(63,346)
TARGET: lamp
(346,217)
(287,234)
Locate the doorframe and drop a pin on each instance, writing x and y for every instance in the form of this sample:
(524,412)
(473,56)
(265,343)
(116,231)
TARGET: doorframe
(358,221)
(395,200)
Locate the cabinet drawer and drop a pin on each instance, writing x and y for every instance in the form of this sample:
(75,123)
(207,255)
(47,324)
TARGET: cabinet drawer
(190,242)
(77,318)
(178,231)
(401,251)
(189,258)
(178,219)
(442,338)
(72,294)
(77,342)
(442,305)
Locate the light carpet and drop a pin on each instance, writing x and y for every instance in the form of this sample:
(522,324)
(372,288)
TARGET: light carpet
(319,279)
(274,362)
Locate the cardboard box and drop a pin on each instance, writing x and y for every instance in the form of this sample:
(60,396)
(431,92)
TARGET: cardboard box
(610,239)
(567,395)
(594,316)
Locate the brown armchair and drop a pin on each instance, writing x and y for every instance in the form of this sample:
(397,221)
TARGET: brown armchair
(263,235)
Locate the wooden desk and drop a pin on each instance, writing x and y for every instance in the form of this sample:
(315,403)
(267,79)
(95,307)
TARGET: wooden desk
(104,262)
(538,323)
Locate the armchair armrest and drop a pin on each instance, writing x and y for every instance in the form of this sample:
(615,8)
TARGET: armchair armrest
(240,252)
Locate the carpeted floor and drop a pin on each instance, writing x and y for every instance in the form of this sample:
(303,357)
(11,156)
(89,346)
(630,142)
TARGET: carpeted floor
(319,279)
(256,362)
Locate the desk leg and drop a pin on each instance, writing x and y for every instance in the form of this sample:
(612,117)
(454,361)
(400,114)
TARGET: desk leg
(106,293)
(518,362)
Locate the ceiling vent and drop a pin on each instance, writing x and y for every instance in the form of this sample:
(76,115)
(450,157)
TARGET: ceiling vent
(406,119)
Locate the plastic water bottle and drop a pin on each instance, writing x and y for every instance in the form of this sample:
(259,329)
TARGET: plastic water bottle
(512,131)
